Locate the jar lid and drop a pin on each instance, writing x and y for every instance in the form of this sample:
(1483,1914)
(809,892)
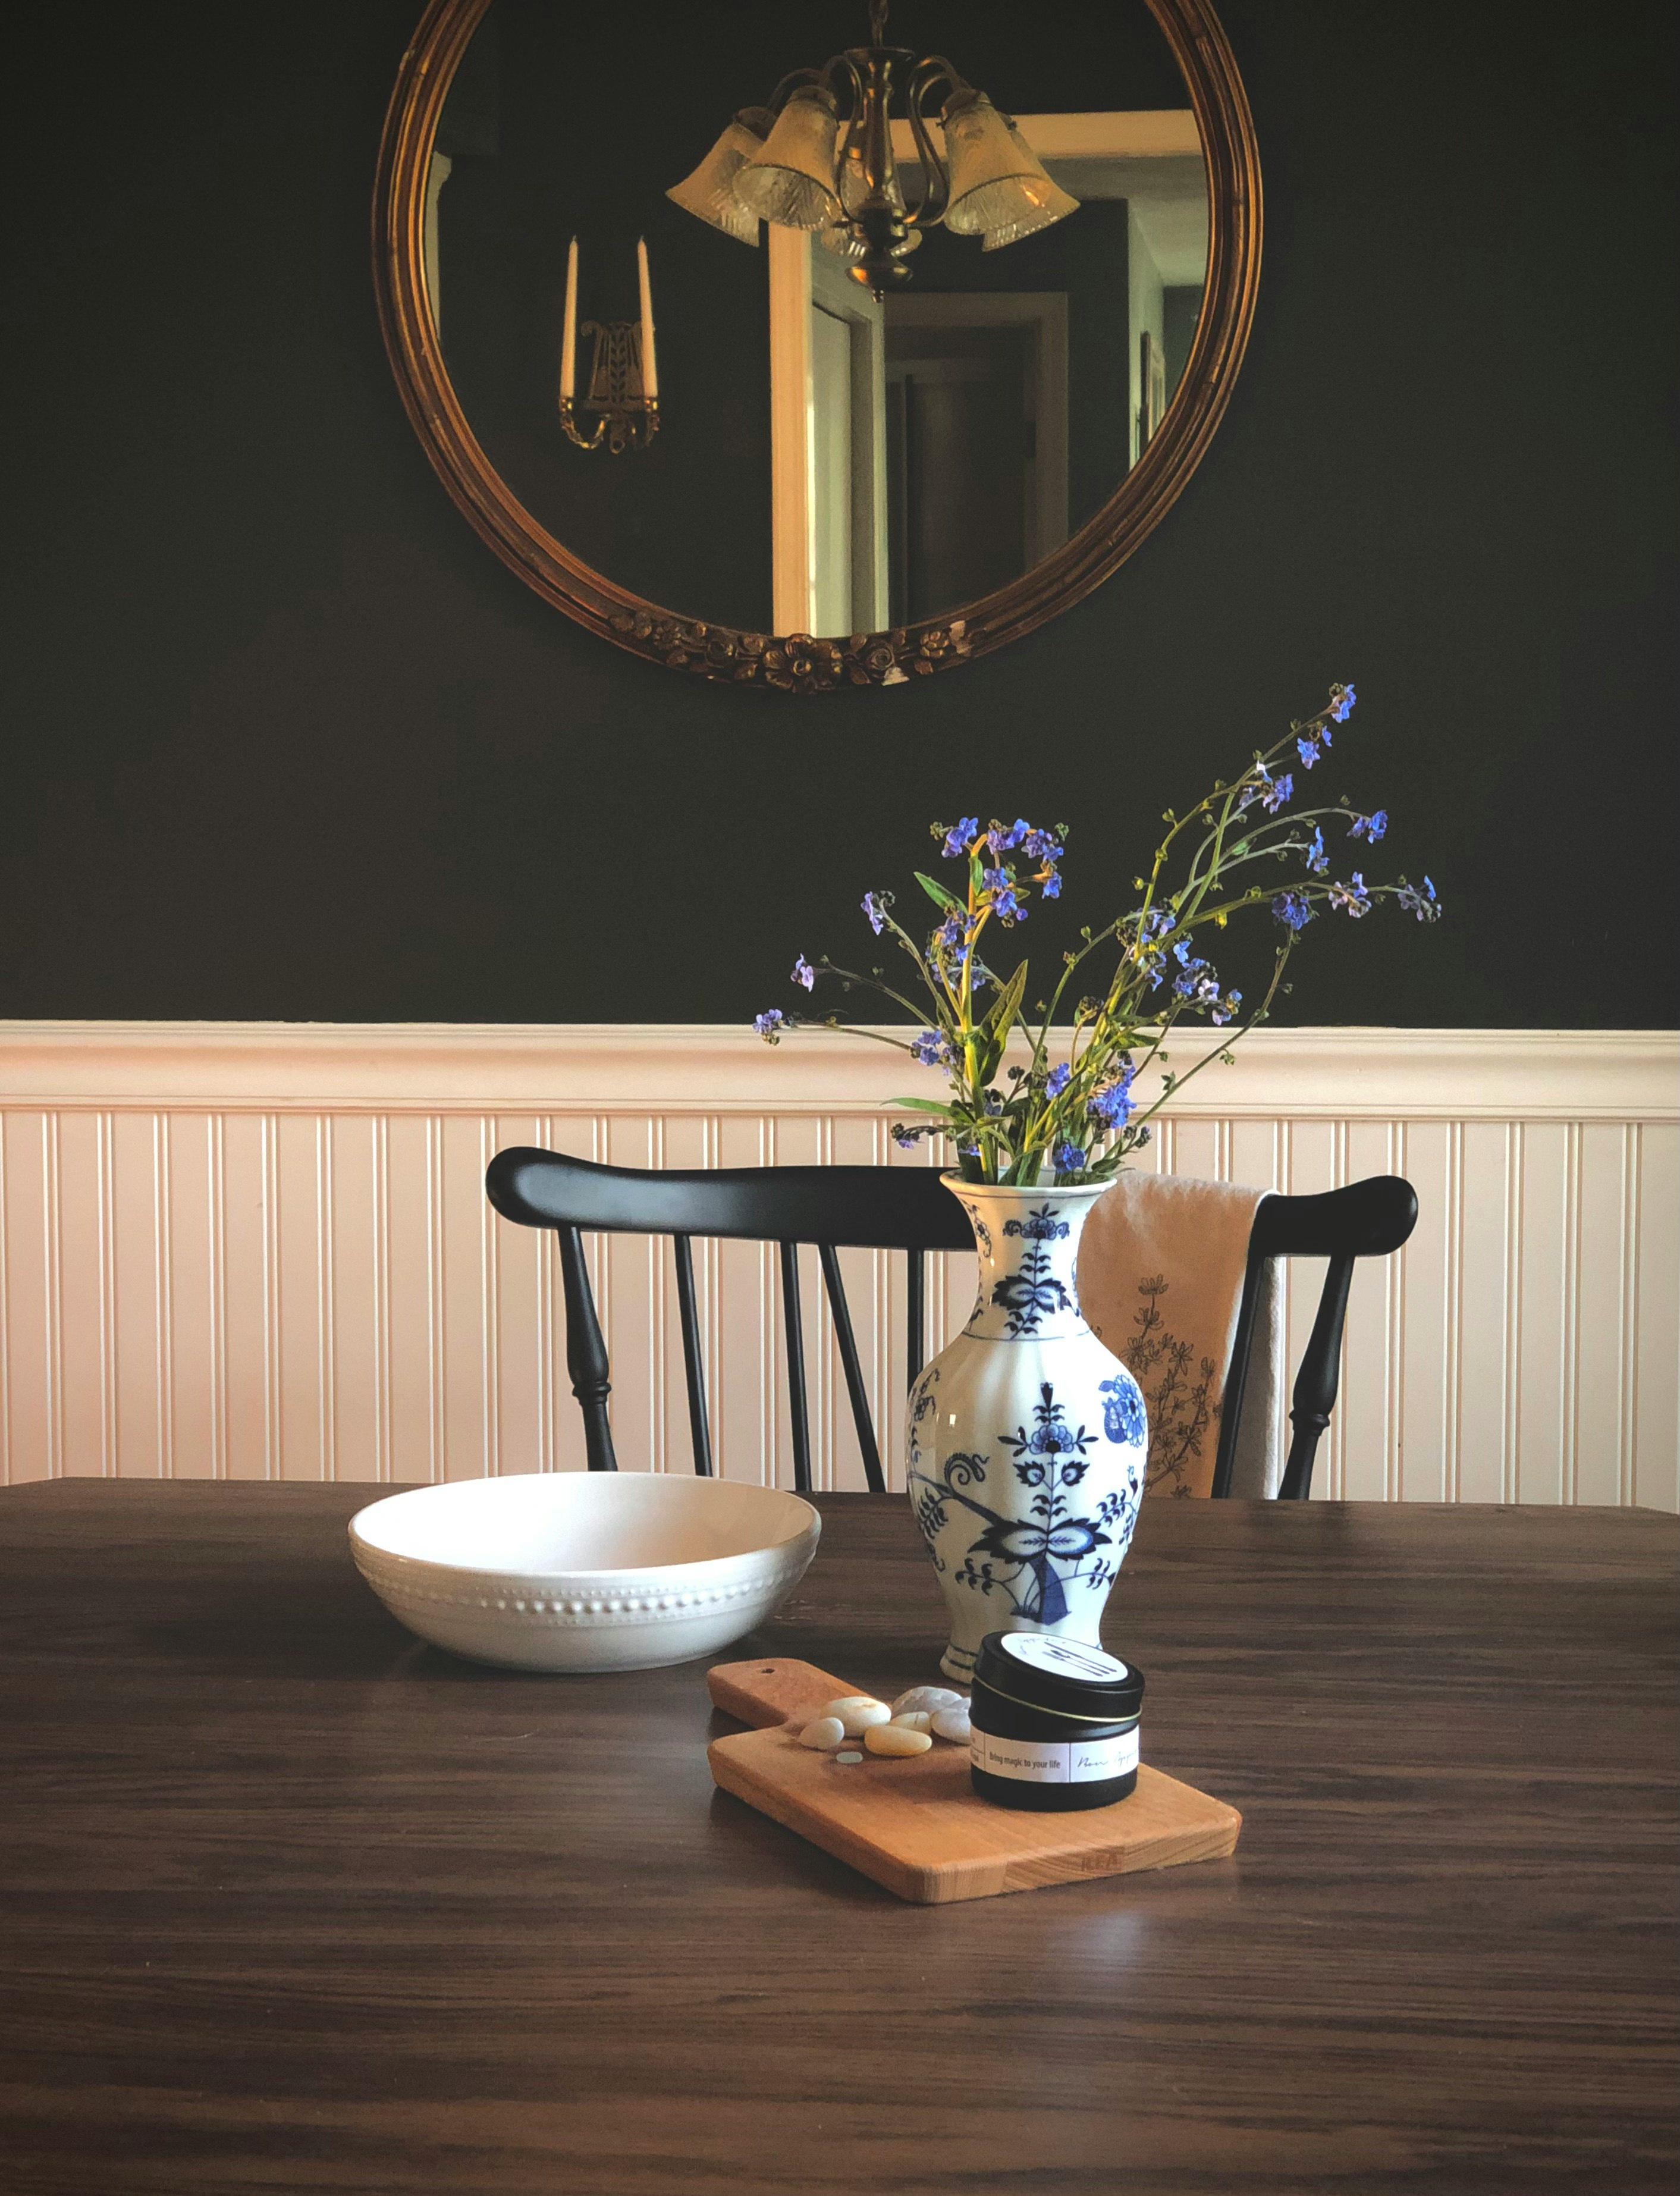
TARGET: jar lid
(1041,1670)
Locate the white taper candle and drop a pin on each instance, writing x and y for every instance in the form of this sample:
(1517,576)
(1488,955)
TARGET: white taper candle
(650,369)
(569,339)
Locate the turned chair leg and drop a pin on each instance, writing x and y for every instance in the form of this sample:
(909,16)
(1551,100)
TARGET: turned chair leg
(1317,1381)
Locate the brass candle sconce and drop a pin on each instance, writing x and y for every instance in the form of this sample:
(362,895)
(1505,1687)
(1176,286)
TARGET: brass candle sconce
(623,397)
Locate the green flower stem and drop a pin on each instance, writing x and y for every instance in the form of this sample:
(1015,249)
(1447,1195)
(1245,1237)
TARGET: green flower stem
(1224,1045)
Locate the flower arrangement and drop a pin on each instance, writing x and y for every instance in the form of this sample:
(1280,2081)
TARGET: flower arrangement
(1078,1113)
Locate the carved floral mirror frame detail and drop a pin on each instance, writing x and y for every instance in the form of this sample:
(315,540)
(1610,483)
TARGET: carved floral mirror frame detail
(800,662)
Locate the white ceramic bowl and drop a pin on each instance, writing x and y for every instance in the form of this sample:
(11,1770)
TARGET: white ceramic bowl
(584,1571)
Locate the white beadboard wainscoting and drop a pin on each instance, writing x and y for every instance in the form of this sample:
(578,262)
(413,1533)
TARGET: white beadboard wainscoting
(263,1250)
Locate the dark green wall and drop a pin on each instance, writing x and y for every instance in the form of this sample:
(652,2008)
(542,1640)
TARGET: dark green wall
(281,738)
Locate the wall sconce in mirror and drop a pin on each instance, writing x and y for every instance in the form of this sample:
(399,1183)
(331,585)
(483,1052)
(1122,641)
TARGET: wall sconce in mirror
(820,157)
(895,476)
(623,399)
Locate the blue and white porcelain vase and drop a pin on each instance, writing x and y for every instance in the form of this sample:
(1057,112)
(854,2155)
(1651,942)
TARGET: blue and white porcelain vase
(1027,1439)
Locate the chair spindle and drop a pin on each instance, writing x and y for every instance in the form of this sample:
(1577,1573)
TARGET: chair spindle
(794,1327)
(585,1353)
(699,1432)
(1313,1398)
(1231,1409)
(915,1323)
(854,1372)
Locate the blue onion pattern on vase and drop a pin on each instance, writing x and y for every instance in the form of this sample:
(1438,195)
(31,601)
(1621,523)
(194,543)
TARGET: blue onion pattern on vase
(1028,1562)
(982,1232)
(1040,1227)
(1123,1417)
(1032,1293)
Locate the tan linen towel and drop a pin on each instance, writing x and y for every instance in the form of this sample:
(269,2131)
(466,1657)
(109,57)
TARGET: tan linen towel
(1161,1267)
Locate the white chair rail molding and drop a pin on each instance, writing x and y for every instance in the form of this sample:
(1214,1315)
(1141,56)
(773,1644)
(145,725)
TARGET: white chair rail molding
(263,1250)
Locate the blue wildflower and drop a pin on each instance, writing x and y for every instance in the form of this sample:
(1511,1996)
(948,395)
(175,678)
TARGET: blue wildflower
(804,972)
(960,838)
(1309,748)
(1051,886)
(1424,904)
(949,937)
(767,1024)
(1007,905)
(1060,1078)
(1369,827)
(1293,910)
(1195,978)
(1155,925)
(905,1138)
(1277,791)
(1342,703)
(1067,1159)
(931,1047)
(1351,898)
(875,905)
(1042,846)
(1226,1010)
(1317,860)
(1003,837)
(1111,1103)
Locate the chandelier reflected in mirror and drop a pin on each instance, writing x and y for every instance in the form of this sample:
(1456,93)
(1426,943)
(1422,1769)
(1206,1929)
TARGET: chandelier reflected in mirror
(820,157)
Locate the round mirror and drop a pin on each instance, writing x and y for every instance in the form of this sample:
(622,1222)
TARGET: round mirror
(814,346)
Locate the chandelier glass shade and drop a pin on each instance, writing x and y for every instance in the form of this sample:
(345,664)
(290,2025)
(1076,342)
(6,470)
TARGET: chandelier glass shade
(791,179)
(995,181)
(709,191)
(820,158)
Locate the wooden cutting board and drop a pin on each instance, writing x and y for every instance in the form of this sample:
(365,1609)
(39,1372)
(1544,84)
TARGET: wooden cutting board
(916,1825)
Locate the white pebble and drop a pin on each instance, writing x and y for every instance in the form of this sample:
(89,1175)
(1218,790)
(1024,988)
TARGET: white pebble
(848,1758)
(912,1720)
(894,1738)
(953,1723)
(824,1735)
(856,1712)
(929,1697)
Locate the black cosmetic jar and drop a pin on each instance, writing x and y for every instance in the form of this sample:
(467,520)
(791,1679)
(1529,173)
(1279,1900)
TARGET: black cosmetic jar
(1054,1723)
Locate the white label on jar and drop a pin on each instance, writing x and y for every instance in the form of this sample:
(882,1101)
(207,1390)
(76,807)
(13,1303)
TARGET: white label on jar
(1067,1658)
(1053,1760)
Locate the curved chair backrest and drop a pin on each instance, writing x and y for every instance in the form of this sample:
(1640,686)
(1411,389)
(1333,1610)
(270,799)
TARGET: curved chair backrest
(895,1209)
(1366,1219)
(877,1208)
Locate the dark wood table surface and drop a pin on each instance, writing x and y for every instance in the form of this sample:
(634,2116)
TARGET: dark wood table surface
(294,1904)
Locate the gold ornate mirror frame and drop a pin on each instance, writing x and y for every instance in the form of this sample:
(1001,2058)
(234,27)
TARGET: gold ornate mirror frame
(800,662)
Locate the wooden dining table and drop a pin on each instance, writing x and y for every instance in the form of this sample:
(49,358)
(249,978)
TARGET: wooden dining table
(294,1903)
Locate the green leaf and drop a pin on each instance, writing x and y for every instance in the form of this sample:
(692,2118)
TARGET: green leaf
(922,1106)
(997,1022)
(937,892)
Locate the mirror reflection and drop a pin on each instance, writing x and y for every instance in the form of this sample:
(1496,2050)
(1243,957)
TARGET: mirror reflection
(785,325)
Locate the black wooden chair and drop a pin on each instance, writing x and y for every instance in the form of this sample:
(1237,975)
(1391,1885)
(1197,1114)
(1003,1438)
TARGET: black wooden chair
(1366,1219)
(891,1209)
